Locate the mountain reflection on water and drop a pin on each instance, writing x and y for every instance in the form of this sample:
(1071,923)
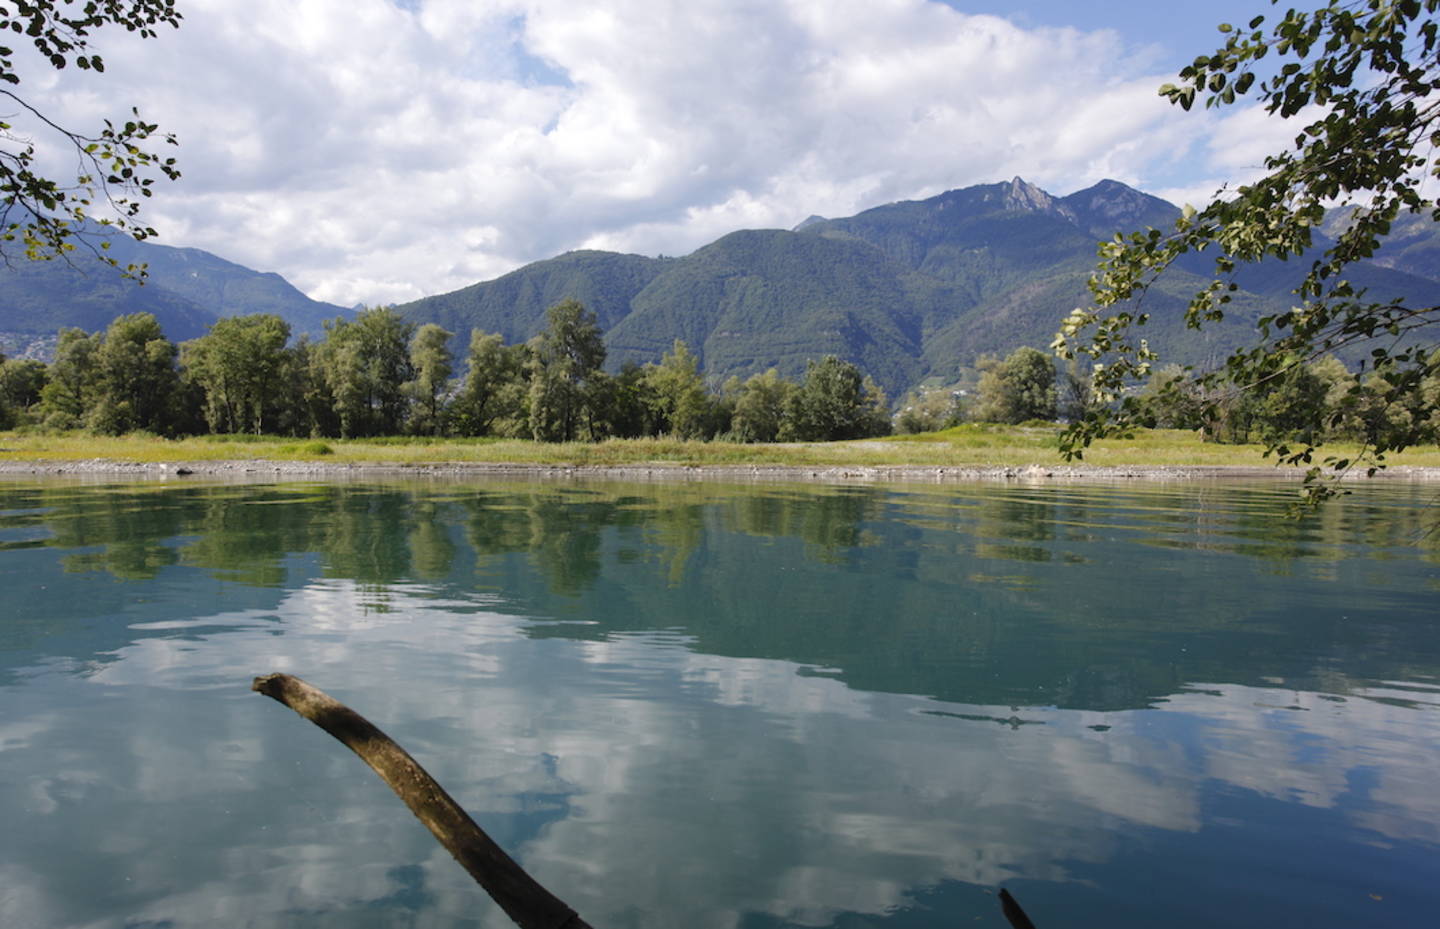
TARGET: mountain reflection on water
(724,706)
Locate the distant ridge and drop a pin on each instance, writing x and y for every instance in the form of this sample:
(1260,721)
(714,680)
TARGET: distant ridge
(910,291)
(187,289)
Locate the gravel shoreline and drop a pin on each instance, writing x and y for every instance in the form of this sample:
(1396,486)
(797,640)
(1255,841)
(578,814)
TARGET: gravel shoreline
(262,469)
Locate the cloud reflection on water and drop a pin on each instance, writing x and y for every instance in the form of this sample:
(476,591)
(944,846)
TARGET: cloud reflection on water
(648,783)
(719,707)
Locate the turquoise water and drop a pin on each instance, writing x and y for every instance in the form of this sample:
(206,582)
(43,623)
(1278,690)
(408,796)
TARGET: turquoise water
(724,706)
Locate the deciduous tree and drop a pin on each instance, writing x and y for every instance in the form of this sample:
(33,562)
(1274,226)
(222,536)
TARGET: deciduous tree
(238,366)
(564,362)
(683,405)
(135,378)
(117,168)
(1018,389)
(431,362)
(760,407)
(634,408)
(835,402)
(492,398)
(365,364)
(73,374)
(21,381)
(1361,81)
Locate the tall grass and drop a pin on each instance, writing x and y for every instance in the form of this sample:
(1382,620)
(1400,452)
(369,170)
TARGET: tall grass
(970,445)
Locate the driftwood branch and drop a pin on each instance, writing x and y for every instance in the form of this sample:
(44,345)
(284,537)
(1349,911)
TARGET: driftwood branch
(1011,908)
(522,898)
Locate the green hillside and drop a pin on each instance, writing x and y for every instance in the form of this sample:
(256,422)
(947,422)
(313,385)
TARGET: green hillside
(908,291)
(760,299)
(187,289)
(224,287)
(41,297)
(514,305)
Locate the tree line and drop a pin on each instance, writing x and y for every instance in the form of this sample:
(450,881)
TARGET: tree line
(380,375)
(1304,402)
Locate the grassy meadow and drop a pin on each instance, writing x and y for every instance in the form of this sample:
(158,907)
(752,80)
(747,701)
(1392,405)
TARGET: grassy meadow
(970,445)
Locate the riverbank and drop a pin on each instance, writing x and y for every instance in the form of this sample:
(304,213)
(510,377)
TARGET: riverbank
(261,469)
(967,453)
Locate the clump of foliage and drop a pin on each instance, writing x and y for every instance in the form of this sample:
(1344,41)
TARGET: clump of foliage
(378,377)
(1361,79)
(930,410)
(118,381)
(1018,389)
(834,402)
(117,170)
(21,382)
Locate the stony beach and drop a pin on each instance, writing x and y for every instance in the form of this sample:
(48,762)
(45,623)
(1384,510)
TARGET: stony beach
(263,469)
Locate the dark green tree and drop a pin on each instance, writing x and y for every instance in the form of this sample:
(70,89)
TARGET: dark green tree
(21,381)
(136,378)
(492,399)
(1371,72)
(1018,389)
(70,391)
(430,360)
(633,408)
(565,360)
(1292,408)
(833,403)
(238,367)
(310,405)
(760,405)
(365,364)
(116,169)
(683,405)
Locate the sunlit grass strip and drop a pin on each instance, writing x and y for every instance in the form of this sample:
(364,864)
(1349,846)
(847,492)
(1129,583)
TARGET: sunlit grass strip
(964,446)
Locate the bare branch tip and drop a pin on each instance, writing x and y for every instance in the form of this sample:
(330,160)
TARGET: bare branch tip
(271,685)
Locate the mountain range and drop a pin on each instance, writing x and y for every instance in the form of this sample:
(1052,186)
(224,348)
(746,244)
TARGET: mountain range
(186,288)
(913,291)
(909,291)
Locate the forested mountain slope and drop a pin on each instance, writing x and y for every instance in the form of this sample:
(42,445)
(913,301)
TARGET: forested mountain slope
(187,289)
(908,291)
(514,305)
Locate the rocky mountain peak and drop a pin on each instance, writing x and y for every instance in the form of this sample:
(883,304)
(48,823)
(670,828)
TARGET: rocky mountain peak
(1110,206)
(1020,195)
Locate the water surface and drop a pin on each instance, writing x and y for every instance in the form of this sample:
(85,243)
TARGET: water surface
(724,706)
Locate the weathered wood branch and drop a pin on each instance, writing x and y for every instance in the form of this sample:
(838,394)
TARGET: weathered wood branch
(522,898)
(1011,908)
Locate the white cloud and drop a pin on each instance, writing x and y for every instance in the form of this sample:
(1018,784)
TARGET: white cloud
(371,152)
(1232,150)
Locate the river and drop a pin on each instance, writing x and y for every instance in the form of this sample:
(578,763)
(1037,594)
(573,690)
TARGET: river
(724,704)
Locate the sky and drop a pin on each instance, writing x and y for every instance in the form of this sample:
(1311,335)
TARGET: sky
(377,151)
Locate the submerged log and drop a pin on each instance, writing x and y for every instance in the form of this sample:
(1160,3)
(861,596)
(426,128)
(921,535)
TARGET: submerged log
(522,898)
